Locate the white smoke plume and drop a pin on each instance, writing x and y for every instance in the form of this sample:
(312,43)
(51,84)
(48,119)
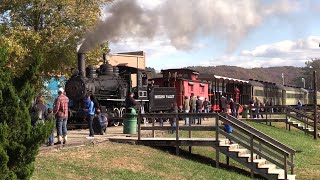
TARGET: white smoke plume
(183,21)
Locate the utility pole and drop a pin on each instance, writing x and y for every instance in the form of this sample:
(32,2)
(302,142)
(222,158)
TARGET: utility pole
(304,82)
(315,106)
(282,75)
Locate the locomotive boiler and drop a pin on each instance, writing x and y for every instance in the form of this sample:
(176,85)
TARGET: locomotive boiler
(110,85)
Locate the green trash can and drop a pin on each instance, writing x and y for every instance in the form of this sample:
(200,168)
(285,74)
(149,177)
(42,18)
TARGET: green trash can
(245,111)
(130,122)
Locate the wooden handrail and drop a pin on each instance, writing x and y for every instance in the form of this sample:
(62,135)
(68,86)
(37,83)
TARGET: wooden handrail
(300,112)
(267,140)
(254,134)
(301,120)
(260,135)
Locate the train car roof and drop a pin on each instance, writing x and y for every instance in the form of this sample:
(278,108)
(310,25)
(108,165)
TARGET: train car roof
(209,77)
(183,79)
(305,90)
(278,86)
(258,83)
(183,69)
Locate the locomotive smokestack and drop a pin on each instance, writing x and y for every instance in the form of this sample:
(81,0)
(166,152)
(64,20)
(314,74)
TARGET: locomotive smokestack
(104,58)
(82,64)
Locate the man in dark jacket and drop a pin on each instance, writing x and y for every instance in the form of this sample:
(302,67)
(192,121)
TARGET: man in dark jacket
(224,104)
(131,102)
(233,107)
(193,105)
(199,108)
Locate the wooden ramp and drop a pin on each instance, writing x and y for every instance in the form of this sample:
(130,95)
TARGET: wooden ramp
(291,116)
(181,142)
(302,121)
(250,147)
(258,164)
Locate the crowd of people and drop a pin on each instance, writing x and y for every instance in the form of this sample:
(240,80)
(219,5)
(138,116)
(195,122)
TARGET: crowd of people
(59,115)
(91,108)
(257,108)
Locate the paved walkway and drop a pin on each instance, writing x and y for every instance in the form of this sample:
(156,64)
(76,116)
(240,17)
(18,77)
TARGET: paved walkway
(79,137)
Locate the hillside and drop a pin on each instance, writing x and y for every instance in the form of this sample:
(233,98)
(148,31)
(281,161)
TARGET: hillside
(271,74)
(292,75)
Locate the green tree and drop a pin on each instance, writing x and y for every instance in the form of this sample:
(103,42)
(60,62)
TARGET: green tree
(54,26)
(311,65)
(19,142)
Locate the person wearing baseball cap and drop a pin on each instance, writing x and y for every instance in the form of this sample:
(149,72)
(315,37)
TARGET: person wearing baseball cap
(61,113)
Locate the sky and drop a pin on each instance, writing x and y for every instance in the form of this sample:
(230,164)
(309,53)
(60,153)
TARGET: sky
(245,33)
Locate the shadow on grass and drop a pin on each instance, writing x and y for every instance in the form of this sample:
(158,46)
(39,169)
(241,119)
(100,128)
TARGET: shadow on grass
(206,160)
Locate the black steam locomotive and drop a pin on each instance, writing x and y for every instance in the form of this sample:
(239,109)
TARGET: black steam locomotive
(110,85)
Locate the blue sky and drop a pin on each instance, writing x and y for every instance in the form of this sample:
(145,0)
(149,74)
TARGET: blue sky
(246,33)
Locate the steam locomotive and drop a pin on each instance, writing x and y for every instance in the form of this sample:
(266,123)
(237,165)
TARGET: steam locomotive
(110,85)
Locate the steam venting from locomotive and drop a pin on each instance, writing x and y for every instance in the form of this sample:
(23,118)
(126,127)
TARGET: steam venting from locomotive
(182,22)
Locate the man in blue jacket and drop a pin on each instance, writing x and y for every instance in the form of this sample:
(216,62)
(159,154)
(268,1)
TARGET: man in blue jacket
(89,109)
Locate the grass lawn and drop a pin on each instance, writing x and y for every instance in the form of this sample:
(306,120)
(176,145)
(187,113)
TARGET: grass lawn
(124,161)
(307,158)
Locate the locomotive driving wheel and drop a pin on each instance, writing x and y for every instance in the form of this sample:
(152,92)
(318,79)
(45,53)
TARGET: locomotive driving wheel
(117,114)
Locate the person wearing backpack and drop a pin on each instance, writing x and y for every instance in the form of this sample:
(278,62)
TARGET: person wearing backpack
(299,105)
(61,113)
(38,112)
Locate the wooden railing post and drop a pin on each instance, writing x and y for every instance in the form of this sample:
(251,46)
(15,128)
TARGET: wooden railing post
(305,124)
(217,141)
(266,113)
(286,120)
(177,134)
(251,155)
(285,166)
(315,135)
(153,132)
(139,126)
(190,134)
(292,167)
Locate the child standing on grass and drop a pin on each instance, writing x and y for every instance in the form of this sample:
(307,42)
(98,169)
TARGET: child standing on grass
(50,119)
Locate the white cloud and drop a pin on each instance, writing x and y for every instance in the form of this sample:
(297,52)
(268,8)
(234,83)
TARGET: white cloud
(149,4)
(287,48)
(283,53)
(156,49)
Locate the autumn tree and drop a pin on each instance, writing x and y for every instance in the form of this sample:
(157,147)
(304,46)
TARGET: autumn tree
(54,26)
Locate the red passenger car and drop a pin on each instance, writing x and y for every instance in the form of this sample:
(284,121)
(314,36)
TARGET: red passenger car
(237,89)
(185,81)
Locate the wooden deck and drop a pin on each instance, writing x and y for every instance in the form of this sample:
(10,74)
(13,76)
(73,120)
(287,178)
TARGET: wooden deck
(266,120)
(180,142)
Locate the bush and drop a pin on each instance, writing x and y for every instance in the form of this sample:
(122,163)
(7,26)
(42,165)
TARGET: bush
(19,141)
